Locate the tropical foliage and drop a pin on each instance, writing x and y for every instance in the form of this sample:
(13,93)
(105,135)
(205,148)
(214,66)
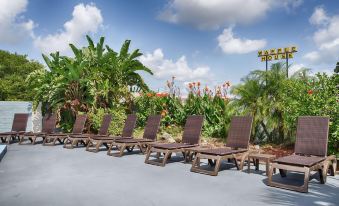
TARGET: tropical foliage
(96,78)
(14,69)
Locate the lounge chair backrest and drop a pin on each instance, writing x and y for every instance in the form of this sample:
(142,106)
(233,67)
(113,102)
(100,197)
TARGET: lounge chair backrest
(152,127)
(312,136)
(49,123)
(129,125)
(20,122)
(239,132)
(79,124)
(192,129)
(106,122)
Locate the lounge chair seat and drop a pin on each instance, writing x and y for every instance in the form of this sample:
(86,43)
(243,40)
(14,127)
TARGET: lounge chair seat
(310,154)
(150,135)
(48,127)
(190,138)
(131,140)
(96,141)
(238,137)
(35,134)
(298,160)
(78,127)
(221,151)
(9,133)
(18,128)
(173,145)
(98,137)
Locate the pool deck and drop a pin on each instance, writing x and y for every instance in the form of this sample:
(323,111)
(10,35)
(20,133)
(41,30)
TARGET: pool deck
(43,175)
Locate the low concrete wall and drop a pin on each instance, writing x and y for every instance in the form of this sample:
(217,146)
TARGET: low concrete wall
(7,111)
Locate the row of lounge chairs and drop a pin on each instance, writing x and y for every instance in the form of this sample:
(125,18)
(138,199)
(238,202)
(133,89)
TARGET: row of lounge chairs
(310,148)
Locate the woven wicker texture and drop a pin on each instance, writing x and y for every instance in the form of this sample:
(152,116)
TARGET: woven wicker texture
(299,160)
(79,124)
(312,136)
(152,127)
(192,129)
(239,132)
(106,122)
(221,151)
(129,125)
(20,122)
(172,145)
(49,123)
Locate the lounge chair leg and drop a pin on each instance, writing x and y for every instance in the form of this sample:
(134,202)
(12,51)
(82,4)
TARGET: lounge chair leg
(242,161)
(166,156)
(322,176)
(148,155)
(306,180)
(141,148)
(110,149)
(21,139)
(56,139)
(34,139)
(236,163)
(97,147)
(217,166)
(196,162)
(74,143)
(9,140)
(122,149)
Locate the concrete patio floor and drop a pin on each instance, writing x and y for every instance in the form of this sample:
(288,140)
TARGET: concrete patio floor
(38,175)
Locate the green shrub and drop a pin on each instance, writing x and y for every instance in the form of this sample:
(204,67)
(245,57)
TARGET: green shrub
(118,120)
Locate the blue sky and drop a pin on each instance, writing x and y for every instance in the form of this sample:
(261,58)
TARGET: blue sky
(210,41)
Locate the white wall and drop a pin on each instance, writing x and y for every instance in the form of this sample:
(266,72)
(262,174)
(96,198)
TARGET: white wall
(7,111)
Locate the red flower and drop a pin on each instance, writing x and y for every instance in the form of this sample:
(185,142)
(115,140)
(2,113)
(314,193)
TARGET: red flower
(310,92)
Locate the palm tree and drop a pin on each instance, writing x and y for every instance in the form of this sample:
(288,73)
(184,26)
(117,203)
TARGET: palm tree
(96,77)
(260,95)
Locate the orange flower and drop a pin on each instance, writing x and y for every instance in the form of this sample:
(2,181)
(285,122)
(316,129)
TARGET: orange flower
(310,92)
(149,94)
(163,113)
(198,83)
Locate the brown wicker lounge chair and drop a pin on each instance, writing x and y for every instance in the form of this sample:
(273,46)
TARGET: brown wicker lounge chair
(18,128)
(78,128)
(74,139)
(190,138)
(310,153)
(236,148)
(48,126)
(150,135)
(96,142)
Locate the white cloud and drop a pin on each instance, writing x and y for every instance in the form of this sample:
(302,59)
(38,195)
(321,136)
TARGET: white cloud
(319,17)
(232,45)
(166,68)
(85,19)
(326,38)
(294,68)
(13,26)
(212,14)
